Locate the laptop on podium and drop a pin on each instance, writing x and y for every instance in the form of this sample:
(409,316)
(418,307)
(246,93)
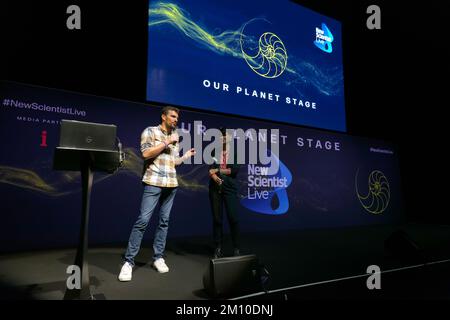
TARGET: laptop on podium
(86,147)
(87,135)
(79,137)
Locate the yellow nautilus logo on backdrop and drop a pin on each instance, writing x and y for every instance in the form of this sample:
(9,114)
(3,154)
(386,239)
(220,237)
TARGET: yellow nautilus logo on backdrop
(377,199)
(269,57)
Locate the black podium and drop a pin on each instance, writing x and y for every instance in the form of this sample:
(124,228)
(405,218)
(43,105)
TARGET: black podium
(87,159)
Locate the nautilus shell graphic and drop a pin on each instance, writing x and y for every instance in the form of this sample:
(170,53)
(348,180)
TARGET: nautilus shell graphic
(271,56)
(377,199)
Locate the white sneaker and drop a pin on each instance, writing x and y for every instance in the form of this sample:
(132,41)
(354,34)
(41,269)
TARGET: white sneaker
(160,265)
(126,272)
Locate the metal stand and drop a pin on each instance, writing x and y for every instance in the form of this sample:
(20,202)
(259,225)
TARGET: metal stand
(81,261)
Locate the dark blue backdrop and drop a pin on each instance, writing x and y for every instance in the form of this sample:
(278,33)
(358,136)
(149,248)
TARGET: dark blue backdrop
(41,207)
(193,41)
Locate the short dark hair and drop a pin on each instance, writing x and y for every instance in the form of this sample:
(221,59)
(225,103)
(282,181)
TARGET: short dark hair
(166,110)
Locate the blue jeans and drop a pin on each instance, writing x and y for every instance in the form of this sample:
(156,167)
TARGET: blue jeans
(152,195)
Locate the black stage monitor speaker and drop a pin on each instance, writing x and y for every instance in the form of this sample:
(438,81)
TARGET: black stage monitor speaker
(87,135)
(232,276)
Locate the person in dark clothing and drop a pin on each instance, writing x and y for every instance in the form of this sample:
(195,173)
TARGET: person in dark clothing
(223,193)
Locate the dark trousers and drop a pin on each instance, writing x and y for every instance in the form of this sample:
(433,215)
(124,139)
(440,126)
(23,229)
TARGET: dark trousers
(218,202)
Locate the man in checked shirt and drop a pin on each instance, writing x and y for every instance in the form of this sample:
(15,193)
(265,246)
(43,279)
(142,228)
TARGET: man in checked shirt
(160,150)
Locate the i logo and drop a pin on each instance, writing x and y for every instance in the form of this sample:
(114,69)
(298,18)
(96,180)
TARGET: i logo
(44,139)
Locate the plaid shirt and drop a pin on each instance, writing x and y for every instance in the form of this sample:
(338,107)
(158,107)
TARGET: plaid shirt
(160,171)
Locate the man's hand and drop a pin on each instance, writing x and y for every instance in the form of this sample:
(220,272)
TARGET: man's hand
(213,171)
(189,153)
(173,139)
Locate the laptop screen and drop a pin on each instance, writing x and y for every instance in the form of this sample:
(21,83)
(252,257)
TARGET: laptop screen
(87,135)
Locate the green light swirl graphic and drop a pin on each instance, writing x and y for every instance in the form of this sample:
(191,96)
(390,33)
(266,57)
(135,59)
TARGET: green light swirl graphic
(170,13)
(65,183)
(377,199)
(298,74)
(27,179)
(269,62)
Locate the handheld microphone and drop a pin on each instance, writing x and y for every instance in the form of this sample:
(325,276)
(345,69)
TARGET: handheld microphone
(174,130)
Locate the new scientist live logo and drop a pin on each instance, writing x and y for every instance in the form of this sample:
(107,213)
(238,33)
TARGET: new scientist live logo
(324,38)
(264,185)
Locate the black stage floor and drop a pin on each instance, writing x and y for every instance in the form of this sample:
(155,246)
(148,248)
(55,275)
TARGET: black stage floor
(307,264)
